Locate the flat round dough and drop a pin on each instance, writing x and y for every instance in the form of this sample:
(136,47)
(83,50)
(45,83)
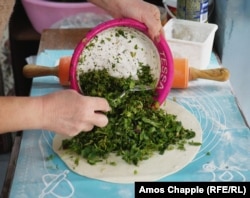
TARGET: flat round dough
(153,169)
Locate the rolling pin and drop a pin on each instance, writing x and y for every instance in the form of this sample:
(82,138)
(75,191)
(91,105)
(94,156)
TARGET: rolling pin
(61,70)
(182,72)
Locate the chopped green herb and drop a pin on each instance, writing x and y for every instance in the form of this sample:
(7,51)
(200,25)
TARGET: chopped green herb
(102,41)
(90,45)
(135,130)
(133,54)
(50,157)
(77,161)
(194,143)
(113,163)
(120,32)
(108,39)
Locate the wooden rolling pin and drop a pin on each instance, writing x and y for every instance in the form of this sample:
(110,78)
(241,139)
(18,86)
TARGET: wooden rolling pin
(61,71)
(182,73)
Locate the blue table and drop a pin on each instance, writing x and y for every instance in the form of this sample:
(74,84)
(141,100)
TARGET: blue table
(224,154)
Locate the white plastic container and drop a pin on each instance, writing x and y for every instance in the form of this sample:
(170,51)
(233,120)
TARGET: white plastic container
(192,40)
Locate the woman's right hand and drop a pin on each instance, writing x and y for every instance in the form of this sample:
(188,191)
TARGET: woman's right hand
(67,112)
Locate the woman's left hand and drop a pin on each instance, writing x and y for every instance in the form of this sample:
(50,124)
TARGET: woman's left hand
(139,10)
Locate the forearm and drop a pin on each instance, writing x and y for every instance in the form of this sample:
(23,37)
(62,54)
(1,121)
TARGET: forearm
(116,8)
(107,5)
(20,113)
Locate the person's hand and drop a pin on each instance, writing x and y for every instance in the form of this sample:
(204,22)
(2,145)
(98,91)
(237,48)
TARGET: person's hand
(68,113)
(140,10)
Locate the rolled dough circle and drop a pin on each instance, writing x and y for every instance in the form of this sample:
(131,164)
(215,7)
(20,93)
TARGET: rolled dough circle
(153,169)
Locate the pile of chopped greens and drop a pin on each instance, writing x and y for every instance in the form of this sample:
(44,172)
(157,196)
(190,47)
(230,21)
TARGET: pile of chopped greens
(135,130)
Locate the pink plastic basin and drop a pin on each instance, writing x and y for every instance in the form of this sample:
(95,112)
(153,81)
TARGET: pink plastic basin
(43,14)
